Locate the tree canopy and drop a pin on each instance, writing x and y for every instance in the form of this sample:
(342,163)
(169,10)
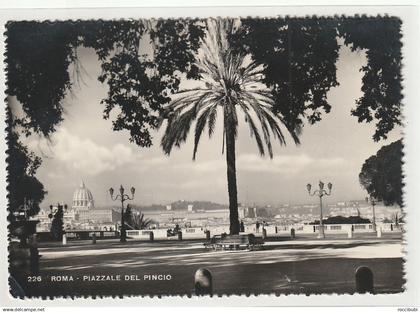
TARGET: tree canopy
(38,57)
(382,80)
(39,54)
(381,174)
(298,55)
(343,220)
(22,183)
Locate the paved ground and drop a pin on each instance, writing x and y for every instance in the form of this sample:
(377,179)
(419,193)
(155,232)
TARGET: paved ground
(304,265)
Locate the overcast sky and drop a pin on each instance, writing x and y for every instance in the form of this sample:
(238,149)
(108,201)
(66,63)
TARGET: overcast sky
(86,148)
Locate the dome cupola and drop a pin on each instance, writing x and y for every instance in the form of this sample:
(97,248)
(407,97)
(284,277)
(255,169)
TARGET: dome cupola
(82,198)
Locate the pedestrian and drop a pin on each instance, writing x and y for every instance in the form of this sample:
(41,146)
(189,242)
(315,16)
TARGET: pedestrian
(257,227)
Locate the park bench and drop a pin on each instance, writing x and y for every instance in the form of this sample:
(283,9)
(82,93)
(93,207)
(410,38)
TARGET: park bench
(225,242)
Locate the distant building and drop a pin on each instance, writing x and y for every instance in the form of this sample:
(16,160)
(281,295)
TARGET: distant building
(83,203)
(82,213)
(247,212)
(186,218)
(83,207)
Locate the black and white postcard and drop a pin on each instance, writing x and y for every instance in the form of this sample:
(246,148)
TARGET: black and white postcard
(206,155)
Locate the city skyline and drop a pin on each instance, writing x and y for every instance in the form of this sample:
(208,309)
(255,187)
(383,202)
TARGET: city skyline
(310,201)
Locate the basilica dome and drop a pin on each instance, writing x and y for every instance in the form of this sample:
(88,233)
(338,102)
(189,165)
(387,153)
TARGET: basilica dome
(82,198)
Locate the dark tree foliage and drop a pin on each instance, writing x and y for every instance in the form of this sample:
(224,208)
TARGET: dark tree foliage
(343,220)
(172,39)
(38,56)
(381,100)
(22,183)
(381,174)
(138,85)
(299,56)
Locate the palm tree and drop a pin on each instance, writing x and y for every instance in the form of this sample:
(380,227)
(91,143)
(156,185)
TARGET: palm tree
(230,81)
(135,220)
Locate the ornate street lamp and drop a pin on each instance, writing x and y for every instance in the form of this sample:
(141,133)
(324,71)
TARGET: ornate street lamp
(60,208)
(20,225)
(320,193)
(122,197)
(373,202)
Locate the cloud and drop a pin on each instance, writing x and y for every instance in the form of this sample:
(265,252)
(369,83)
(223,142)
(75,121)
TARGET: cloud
(204,183)
(86,156)
(201,166)
(287,164)
(152,163)
(55,175)
(90,158)
(284,163)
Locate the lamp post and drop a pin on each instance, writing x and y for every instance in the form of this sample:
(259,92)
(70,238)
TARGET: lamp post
(373,202)
(60,208)
(23,209)
(122,197)
(320,193)
(21,225)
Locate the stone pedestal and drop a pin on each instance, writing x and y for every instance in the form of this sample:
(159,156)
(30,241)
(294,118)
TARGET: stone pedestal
(350,233)
(23,254)
(203,282)
(364,280)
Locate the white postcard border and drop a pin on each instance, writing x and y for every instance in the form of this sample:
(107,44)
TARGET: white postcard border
(411,69)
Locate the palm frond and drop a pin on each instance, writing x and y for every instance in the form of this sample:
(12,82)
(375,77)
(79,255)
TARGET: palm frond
(253,129)
(182,113)
(200,125)
(212,121)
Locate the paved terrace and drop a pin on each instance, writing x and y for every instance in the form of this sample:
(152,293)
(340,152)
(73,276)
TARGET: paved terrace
(304,265)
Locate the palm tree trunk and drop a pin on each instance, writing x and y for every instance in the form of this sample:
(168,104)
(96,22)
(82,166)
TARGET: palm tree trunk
(231,174)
